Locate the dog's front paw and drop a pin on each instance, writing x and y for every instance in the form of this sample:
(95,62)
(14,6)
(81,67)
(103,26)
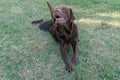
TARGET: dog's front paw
(69,68)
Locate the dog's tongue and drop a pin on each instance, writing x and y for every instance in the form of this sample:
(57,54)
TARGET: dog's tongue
(60,20)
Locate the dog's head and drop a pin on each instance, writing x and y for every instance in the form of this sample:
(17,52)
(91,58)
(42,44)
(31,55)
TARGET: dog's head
(61,14)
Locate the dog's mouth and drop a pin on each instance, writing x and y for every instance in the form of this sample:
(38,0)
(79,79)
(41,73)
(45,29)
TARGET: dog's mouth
(59,19)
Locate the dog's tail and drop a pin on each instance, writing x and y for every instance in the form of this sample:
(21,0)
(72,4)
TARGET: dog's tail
(36,22)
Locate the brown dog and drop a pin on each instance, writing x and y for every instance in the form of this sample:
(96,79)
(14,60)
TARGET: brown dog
(63,30)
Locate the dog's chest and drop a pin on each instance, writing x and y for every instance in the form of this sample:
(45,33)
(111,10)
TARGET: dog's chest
(62,32)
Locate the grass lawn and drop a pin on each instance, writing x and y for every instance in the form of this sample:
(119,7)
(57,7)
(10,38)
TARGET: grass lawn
(26,53)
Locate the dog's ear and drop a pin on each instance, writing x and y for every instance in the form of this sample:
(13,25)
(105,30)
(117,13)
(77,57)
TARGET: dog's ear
(51,8)
(72,17)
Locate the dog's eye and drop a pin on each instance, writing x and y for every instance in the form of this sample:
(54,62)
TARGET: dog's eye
(65,11)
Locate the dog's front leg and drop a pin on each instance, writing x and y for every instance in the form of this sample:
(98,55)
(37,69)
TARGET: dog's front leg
(65,57)
(75,53)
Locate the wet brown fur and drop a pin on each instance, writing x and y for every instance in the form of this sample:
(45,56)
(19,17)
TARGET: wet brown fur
(65,33)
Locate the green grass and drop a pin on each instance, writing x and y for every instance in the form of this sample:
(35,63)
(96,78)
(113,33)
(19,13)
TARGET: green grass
(26,53)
